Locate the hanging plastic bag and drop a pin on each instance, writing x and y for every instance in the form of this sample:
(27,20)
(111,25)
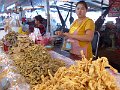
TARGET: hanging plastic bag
(66,45)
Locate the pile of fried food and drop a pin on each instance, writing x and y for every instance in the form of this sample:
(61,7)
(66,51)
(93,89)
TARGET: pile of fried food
(84,75)
(22,43)
(33,61)
(10,38)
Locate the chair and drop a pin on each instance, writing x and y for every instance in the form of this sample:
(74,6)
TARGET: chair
(95,43)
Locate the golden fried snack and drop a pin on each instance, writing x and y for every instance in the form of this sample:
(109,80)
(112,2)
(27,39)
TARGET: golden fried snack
(33,61)
(84,75)
(10,38)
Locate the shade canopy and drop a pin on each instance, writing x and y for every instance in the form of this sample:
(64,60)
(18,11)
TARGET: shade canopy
(92,3)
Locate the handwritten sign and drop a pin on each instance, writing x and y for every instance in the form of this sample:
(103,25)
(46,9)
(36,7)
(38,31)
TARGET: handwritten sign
(115,9)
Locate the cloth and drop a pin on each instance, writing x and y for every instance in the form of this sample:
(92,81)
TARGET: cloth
(76,48)
(42,29)
(87,24)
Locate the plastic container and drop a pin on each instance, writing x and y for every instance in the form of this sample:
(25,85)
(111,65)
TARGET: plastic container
(49,47)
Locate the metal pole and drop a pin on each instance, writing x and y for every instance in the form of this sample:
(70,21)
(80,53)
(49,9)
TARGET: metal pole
(48,16)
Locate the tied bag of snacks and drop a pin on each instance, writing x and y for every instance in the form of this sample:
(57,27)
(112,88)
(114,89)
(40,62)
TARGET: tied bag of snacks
(9,77)
(67,44)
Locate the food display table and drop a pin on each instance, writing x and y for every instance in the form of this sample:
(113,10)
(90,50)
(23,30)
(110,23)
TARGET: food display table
(57,49)
(67,60)
(10,80)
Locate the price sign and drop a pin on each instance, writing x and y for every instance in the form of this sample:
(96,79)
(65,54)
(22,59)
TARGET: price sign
(115,9)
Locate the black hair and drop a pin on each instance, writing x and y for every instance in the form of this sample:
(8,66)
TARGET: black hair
(82,2)
(39,18)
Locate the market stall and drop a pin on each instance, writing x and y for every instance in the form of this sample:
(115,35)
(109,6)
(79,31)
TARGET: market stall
(41,68)
(30,59)
(33,62)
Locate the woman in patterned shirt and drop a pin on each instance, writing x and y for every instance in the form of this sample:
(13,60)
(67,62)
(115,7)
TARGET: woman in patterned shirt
(38,24)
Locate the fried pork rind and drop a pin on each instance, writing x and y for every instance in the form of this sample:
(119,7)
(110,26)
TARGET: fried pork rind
(84,75)
(33,61)
(10,38)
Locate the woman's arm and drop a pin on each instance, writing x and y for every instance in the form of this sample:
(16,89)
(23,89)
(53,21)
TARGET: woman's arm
(87,37)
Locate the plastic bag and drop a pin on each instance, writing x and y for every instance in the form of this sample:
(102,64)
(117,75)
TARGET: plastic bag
(20,31)
(66,45)
(40,40)
(36,32)
(116,75)
(25,27)
(32,37)
(15,29)
(22,86)
(43,40)
(9,77)
(17,82)
(4,84)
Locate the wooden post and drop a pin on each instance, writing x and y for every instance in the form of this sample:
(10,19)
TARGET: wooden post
(48,16)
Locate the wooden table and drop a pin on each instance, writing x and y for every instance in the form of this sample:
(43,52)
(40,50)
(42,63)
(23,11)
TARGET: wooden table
(67,60)
(113,57)
(65,53)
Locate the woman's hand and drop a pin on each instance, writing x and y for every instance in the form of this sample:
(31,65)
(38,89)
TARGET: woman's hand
(66,34)
(63,34)
(59,33)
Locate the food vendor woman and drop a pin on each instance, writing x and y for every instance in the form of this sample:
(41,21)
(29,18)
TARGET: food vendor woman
(81,32)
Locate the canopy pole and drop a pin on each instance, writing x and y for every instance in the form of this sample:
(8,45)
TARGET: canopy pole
(48,16)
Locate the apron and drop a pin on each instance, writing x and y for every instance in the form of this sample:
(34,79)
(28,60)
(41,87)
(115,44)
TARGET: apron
(75,46)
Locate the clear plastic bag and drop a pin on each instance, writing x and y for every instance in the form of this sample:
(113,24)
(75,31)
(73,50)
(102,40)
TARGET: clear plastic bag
(66,45)
(10,79)
(22,86)
(17,82)
(4,81)
(36,32)
(116,75)
(25,27)
(4,84)
(32,37)
(6,62)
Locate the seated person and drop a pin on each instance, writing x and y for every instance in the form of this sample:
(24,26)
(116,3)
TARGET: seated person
(38,24)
